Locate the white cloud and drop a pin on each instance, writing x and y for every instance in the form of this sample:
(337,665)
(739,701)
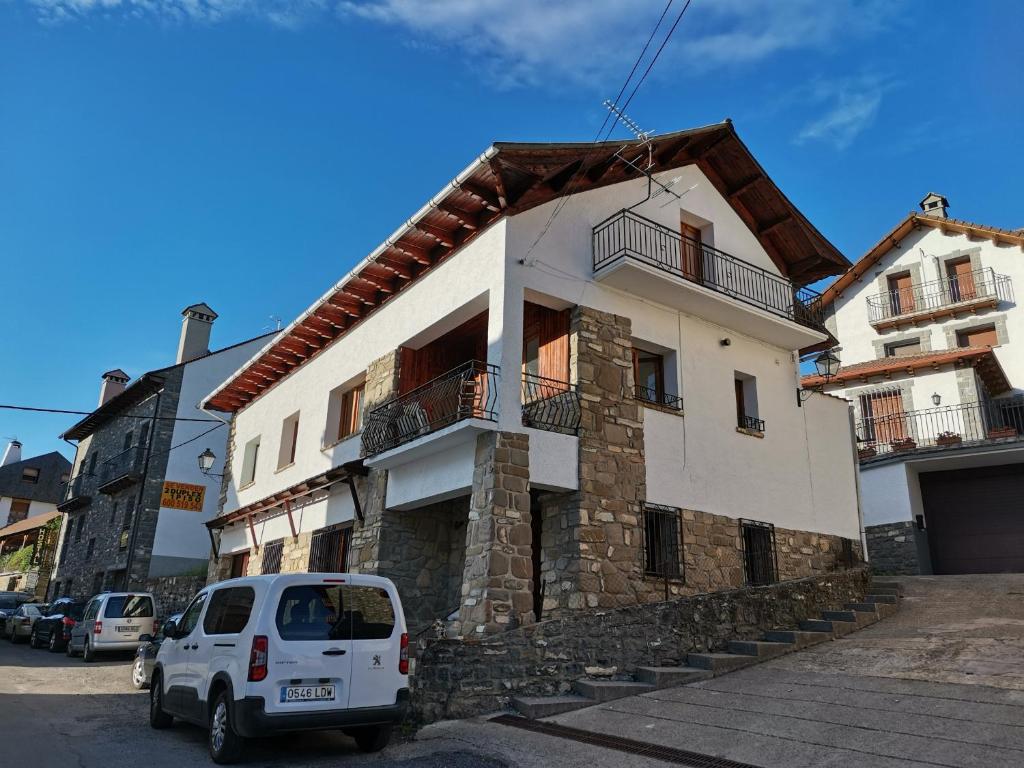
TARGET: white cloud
(283,13)
(850,106)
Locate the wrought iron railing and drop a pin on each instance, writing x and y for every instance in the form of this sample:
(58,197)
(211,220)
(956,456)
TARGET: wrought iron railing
(550,404)
(468,391)
(937,294)
(629,235)
(749,422)
(953,426)
(127,462)
(653,396)
(663,544)
(760,557)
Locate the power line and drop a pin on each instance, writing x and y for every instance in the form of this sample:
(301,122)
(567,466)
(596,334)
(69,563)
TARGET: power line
(656,55)
(113,416)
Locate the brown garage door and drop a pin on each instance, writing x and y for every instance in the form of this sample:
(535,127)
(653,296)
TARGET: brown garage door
(975,519)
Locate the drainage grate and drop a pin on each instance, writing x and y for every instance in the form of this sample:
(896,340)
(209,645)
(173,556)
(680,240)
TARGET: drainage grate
(655,751)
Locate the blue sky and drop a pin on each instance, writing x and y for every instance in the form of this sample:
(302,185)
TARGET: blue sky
(246,153)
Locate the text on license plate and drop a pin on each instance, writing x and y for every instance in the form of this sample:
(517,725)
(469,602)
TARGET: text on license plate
(307,693)
(126,629)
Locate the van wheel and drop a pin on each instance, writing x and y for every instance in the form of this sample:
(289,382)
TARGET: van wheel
(157,717)
(88,654)
(225,745)
(372,738)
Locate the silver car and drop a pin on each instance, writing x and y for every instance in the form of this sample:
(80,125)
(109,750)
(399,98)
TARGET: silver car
(113,621)
(19,624)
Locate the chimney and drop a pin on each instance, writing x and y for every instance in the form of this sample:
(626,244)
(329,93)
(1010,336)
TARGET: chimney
(114,383)
(195,332)
(12,455)
(934,205)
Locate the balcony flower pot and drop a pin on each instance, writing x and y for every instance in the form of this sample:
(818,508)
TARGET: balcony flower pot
(904,444)
(998,433)
(866,453)
(948,439)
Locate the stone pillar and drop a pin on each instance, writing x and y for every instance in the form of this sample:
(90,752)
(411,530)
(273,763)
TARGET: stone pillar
(613,480)
(381,386)
(497,583)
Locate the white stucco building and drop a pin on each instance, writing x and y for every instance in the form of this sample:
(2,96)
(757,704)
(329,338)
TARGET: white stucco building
(927,322)
(523,404)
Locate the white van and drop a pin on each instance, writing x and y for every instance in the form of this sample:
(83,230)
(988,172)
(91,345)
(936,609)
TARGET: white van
(113,621)
(260,655)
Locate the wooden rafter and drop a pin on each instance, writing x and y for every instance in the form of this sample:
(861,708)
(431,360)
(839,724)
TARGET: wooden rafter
(486,196)
(444,236)
(418,253)
(465,218)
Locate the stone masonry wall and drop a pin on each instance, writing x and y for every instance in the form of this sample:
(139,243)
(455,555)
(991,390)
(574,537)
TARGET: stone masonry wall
(464,678)
(893,548)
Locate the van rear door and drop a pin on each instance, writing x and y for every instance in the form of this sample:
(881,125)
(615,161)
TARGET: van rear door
(309,648)
(126,618)
(377,629)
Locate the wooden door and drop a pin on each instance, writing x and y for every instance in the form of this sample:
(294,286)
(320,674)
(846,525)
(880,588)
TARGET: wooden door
(888,419)
(961,280)
(901,294)
(240,564)
(691,253)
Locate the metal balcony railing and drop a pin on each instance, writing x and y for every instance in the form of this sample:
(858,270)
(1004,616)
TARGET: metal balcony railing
(938,294)
(123,468)
(629,235)
(749,422)
(954,426)
(78,490)
(468,391)
(653,396)
(550,404)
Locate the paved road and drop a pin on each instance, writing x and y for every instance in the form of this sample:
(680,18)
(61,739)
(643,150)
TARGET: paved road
(939,684)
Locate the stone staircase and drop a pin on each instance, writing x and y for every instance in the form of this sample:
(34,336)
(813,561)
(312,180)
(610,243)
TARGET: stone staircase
(882,602)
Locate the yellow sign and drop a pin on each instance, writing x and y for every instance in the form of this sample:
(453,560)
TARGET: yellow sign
(183,496)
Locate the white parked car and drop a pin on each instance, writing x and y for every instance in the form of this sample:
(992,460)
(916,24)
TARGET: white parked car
(260,655)
(113,621)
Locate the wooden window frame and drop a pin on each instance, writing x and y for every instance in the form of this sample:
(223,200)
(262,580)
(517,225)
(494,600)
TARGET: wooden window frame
(986,328)
(642,355)
(289,440)
(350,417)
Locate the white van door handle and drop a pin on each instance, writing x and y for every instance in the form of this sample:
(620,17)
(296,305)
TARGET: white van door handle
(335,652)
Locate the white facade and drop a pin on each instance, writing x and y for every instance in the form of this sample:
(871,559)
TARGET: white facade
(799,475)
(34,508)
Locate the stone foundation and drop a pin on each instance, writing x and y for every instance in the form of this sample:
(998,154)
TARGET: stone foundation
(173,593)
(893,548)
(465,678)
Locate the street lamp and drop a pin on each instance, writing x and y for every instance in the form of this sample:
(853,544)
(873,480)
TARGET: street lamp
(206,460)
(827,366)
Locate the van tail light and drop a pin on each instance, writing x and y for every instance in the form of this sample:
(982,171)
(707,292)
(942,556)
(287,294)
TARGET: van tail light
(258,659)
(97,627)
(403,655)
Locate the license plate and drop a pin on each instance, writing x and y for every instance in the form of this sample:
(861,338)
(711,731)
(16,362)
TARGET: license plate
(126,629)
(307,693)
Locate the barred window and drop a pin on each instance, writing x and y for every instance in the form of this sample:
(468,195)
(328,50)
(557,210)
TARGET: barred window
(662,541)
(760,563)
(328,552)
(272,557)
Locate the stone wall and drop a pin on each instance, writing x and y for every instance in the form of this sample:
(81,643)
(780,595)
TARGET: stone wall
(464,678)
(893,548)
(173,593)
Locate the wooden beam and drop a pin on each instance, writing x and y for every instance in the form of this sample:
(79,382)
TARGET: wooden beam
(557,180)
(442,235)
(773,225)
(743,186)
(465,218)
(600,168)
(365,295)
(667,156)
(417,253)
(397,266)
(384,284)
(499,184)
(481,193)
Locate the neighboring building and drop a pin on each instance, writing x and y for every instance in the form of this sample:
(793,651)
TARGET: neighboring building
(137,501)
(30,490)
(489,409)
(928,323)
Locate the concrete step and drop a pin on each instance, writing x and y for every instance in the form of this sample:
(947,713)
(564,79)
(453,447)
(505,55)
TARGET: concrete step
(869,608)
(720,663)
(859,619)
(886,609)
(762,649)
(834,628)
(798,638)
(891,599)
(663,677)
(608,690)
(887,587)
(535,707)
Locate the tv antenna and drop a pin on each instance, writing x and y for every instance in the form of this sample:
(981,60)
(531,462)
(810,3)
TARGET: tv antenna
(275,323)
(638,163)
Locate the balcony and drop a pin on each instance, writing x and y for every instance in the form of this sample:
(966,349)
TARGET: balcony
(122,470)
(550,405)
(643,257)
(993,422)
(966,293)
(468,392)
(78,493)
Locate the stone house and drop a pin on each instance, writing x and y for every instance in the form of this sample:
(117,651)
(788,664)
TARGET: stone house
(525,404)
(136,502)
(928,322)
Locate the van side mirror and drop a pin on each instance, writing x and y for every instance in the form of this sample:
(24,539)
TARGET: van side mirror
(170,627)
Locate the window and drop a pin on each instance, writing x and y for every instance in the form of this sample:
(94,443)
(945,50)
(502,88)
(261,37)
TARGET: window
(126,523)
(335,612)
(144,434)
(903,348)
(759,561)
(113,513)
(252,452)
(350,420)
(649,375)
(531,355)
(89,548)
(328,551)
(94,605)
(662,545)
(229,611)
(92,462)
(289,440)
(883,417)
(30,475)
(128,440)
(240,564)
(190,618)
(901,293)
(272,557)
(78,528)
(129,607)
(961,280)
(984,336)
(746,403)
(19,510)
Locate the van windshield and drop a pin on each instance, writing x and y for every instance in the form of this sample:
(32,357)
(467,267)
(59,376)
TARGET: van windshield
(335,612)
(129,607)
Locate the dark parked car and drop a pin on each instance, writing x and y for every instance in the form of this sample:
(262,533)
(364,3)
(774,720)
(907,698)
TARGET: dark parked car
(145,657)
(9,602)
(54,628)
